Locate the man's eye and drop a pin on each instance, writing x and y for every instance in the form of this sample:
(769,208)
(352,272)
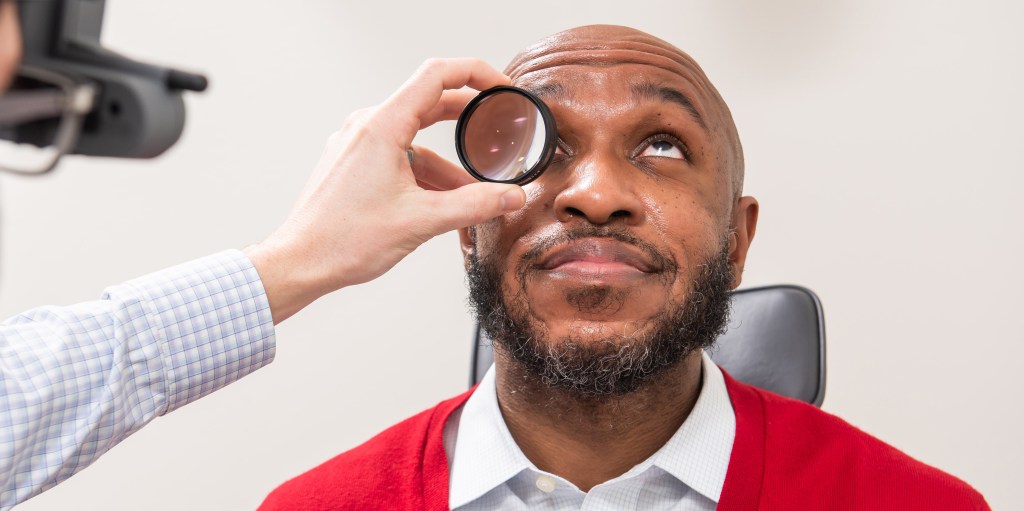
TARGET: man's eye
(561,151)
(664,149)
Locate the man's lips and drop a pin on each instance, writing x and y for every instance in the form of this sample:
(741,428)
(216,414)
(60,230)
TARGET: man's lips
(601,256)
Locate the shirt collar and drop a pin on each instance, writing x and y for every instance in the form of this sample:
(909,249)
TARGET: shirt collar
(486,456)
(698,453)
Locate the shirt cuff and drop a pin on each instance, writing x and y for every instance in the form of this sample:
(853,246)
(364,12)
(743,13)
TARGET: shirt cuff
(213,323)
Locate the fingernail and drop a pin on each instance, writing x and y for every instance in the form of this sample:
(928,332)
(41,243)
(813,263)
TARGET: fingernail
(513,199)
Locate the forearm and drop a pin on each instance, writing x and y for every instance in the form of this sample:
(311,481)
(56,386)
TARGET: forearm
(289,285)
(75,381)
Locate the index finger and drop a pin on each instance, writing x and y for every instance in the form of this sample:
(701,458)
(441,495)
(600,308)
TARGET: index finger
(408,108)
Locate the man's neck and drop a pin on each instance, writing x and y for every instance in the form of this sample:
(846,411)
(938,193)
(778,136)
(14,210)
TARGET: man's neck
(589,440)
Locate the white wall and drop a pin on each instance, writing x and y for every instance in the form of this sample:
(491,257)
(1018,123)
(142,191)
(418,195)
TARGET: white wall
(883,140)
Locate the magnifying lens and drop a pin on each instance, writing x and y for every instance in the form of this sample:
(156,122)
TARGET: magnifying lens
(506,135)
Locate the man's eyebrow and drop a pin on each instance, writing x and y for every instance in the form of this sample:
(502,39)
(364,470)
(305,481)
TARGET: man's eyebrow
(648,90)
(552,90)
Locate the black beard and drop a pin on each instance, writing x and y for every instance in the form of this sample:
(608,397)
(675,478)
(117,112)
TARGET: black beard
(617,365)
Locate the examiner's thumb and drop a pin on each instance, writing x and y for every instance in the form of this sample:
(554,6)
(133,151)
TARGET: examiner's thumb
(475,203)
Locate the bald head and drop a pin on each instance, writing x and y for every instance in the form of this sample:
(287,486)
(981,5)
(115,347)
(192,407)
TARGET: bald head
(609,45)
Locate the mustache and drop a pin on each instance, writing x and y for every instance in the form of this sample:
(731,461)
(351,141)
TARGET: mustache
(532,258)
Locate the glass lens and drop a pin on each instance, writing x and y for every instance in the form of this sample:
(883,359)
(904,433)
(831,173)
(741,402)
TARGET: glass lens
(30,122)
(504,136)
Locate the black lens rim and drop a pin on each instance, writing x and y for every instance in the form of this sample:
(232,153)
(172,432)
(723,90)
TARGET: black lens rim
(550,140)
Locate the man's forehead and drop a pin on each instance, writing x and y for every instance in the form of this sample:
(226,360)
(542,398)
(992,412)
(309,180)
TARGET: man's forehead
(604,45)
(609,46)
(626,86)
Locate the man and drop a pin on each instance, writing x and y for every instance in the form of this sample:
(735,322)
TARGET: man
(600,296)
(75,381)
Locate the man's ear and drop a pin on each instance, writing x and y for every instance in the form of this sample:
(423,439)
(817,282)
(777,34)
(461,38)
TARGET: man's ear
(467,239)
(744,223)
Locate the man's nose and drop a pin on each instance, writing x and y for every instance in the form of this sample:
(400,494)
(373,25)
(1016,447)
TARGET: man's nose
(601,189)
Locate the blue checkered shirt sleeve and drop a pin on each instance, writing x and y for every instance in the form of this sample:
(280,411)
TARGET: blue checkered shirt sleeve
(75,381)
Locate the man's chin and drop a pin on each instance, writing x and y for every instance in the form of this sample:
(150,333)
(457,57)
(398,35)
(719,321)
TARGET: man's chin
(603,330)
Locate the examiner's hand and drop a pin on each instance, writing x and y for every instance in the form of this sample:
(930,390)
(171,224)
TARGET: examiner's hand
(365,207)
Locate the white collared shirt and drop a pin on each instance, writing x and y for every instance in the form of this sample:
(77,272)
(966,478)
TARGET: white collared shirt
(489,471)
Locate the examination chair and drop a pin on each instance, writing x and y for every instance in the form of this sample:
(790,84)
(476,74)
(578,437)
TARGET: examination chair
(775,341)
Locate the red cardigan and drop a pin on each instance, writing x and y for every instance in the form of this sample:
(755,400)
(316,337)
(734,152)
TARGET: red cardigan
(786,455)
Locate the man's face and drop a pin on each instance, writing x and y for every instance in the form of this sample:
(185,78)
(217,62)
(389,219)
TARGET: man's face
(635,213)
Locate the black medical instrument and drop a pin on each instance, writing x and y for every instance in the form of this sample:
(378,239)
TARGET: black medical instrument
(73,96)
(506,135)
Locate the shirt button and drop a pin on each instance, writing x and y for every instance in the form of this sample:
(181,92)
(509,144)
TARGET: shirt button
(546,484)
